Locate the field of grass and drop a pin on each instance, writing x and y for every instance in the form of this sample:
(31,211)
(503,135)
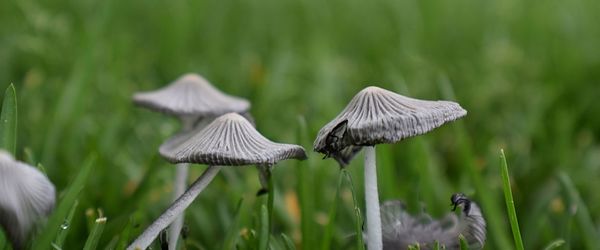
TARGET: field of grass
(528,73)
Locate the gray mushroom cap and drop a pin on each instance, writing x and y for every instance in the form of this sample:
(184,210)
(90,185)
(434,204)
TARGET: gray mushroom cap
(376,116)
(231,140)
(27,196)
(191,95)
(401,229)
(171,144)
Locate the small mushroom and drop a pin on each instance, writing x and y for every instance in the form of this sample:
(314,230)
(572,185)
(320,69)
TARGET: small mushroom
(376,116)
(26,196)
(196,103)
(400,229)
(229,140)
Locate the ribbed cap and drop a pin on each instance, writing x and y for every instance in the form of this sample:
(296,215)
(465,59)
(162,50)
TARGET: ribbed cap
(376,116)
(191,95)
(27,196)
(400,229)
(231,140)
(171,144)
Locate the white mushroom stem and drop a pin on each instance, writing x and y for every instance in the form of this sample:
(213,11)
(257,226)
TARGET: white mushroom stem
(176,209)
(180,184)
(374,240)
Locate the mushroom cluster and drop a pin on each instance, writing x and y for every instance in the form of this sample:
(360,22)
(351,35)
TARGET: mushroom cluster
(375,116)
(230,140)
(218,131)
(193,100)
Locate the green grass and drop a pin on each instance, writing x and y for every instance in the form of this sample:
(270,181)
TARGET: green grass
(526,71)
(510,202)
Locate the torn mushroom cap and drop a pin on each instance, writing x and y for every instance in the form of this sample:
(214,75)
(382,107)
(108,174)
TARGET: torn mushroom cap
(376,115)
(401,229)
(26,196)
(191,95)
(231,140)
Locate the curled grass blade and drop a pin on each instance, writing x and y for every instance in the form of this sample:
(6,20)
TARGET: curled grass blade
(8,120)
(555,244)
(510,203)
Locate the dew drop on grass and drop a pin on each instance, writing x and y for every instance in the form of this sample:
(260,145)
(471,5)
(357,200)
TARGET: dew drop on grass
(64,226)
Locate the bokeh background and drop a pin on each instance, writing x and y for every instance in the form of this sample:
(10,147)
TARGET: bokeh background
(527,72)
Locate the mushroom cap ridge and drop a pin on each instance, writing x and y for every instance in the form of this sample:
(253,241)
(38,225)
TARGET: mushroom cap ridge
(231,140)
(376,116)
(190,95)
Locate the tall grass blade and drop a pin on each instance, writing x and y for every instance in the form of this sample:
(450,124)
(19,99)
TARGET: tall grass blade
(51,229)
(358,217)
(510,203)
(65,226)
(326,244)
(305,181)
(232,233)
(94,238)
(263,241)
(8,121)
(582,215)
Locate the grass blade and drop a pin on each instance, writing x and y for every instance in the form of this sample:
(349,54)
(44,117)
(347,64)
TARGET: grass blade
(8,121)
(92,241)
(65,227)
(289,244)
(51,229)
(510,203)
(463,242)
(326,245)
(555,244)
(232,234)
(263,241)
(358,223)
(584,219)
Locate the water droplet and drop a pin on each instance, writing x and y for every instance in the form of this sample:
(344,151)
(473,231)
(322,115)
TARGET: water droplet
(64,226)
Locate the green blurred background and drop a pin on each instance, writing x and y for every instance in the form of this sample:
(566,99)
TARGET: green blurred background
(527,72)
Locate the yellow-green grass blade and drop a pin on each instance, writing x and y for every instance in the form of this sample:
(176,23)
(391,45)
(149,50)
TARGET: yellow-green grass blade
(8,121)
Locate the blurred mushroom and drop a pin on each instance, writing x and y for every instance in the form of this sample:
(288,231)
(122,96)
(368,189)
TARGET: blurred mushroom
(401,230)
(196,103)
(376,116)
(229,140)
(26,197)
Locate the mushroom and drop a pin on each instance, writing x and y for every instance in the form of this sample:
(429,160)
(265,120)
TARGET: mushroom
(230,140)
(400,229)
(195,102)
(26,197)
(376,116)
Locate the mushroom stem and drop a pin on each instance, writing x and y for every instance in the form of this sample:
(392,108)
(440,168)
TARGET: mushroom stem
(181,174)
(177,208)
(374,240)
